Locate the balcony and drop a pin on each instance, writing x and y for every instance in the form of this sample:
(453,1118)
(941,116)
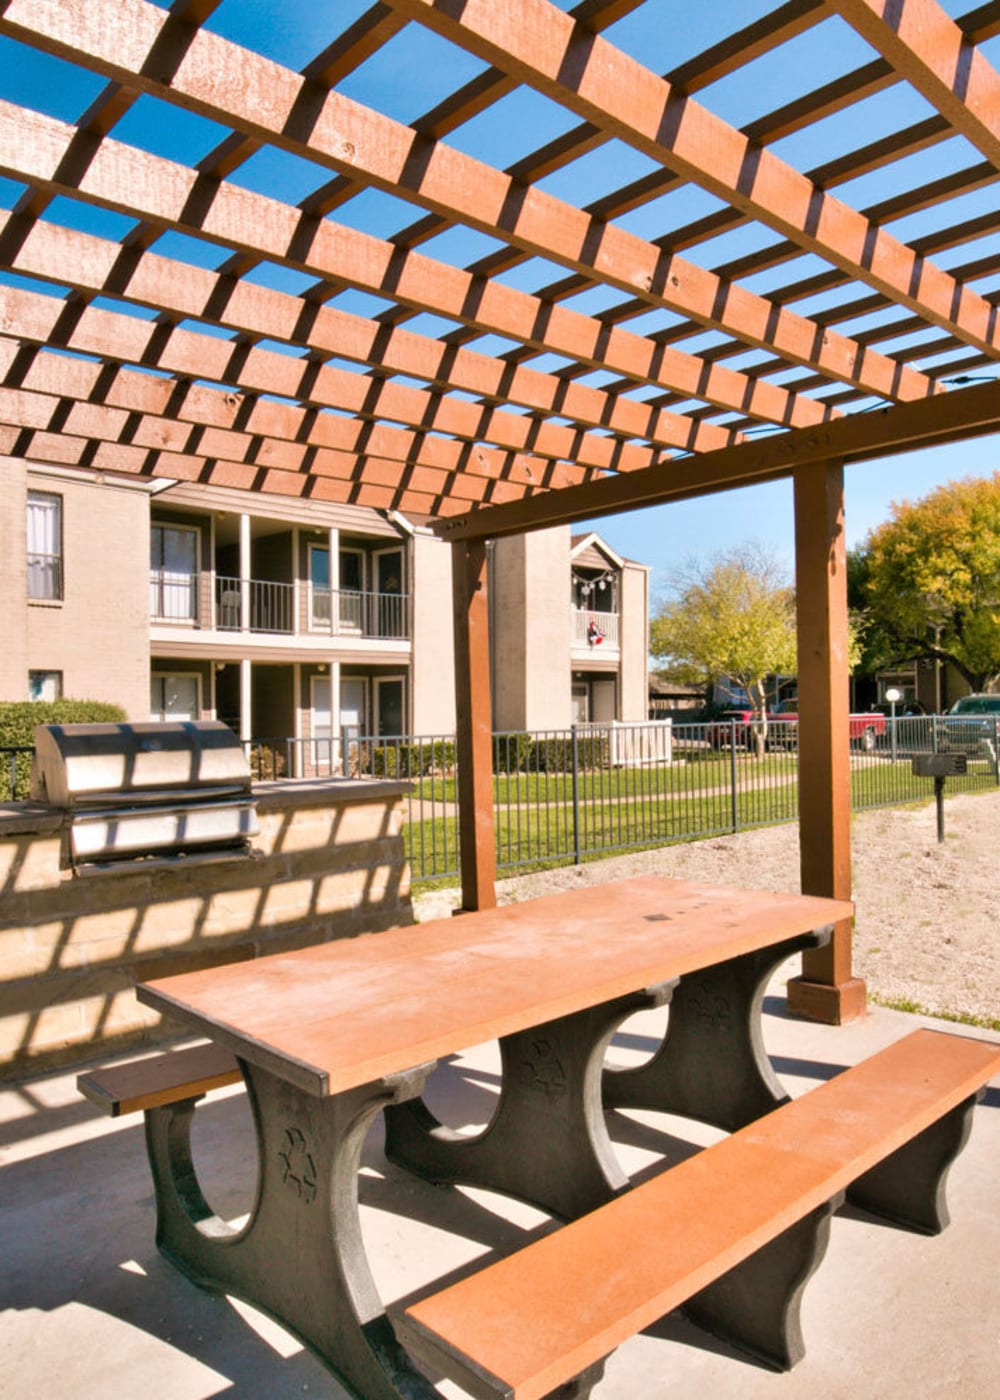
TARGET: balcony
(346,612)
(594,631)
(271,608)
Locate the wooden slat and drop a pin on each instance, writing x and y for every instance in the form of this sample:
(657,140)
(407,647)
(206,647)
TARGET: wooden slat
(859,437)
(208,358)
(160,1079)
(159,412)
(926,47)
(536,42)
(39,150)
(252,94)
(346,1013)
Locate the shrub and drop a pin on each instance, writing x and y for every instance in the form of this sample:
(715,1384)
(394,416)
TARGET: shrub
(18,719)
(512,752)
(267,763)
(556,755)
(417,760)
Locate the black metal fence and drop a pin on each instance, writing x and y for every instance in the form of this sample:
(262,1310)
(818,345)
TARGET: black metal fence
(564,796)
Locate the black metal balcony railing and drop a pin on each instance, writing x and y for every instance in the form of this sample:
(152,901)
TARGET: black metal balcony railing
(270,606)
(350,612)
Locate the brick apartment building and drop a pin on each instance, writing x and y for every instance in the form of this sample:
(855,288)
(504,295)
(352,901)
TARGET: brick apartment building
(288,618)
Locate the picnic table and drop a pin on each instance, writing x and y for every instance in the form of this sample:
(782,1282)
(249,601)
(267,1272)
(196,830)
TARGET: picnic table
(327,1037)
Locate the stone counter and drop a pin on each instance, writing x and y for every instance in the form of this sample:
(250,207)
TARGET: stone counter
(327,863)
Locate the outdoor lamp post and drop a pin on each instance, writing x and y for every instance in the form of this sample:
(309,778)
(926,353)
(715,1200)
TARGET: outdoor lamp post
(893,695)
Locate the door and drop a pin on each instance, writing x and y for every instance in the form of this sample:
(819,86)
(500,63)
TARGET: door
(580,703)
(391,604)
(604,701)
(320,611)
(351,563)
(353,718)
(174,583)
(354,703)
(389,708)
(320,726)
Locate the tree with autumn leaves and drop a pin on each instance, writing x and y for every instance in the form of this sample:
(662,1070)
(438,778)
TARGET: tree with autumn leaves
(731,615)
(927,582)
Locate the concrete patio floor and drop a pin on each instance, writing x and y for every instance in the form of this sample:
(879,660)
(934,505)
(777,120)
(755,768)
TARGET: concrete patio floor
(89,1309)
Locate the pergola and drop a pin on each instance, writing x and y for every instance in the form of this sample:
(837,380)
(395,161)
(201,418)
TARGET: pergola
(667,294)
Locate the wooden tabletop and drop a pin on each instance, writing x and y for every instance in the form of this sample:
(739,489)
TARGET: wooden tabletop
(345,1013)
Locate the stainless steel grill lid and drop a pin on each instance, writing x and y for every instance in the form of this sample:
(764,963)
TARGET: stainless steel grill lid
(146,789)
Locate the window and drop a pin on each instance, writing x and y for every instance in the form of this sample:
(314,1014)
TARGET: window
(175,697)
(45,565)
(319,587)
(45,685)
(173,595)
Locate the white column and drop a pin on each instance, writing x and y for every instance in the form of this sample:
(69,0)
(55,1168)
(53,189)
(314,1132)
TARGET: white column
(246,715)
(335,711)
(297,708)
(244,573)
(297,624)
(333,540)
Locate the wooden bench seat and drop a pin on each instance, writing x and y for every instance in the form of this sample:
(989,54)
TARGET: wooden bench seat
(732,1234)
(159,1079)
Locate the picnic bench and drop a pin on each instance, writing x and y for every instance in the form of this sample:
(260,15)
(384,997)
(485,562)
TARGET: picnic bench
(327,1037)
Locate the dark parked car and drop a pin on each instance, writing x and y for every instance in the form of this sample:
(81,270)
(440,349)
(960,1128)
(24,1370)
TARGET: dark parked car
(971,726)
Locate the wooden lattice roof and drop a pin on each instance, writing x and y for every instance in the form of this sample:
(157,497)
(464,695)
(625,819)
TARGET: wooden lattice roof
(441,255)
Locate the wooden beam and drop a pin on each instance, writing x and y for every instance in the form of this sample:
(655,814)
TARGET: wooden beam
(155,411)
(858,437)
(196,443)
(124,459)
(474,724)
(827,990)
(39,150)
(97,266)
(927,48)
(535,41)
(252,94)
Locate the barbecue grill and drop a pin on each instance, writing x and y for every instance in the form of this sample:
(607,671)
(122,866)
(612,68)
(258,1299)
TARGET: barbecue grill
(146,792)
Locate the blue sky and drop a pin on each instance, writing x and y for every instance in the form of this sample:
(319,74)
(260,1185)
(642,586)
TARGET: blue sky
(691,529)
(415,70)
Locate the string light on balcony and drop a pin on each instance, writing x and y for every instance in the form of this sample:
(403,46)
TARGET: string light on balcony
(588,585)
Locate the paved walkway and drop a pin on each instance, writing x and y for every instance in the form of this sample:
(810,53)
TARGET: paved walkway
(90,1311)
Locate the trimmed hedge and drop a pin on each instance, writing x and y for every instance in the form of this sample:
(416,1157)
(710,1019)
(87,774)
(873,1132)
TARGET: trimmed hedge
(18,719)
(512,752)
(556,755)
(413,760)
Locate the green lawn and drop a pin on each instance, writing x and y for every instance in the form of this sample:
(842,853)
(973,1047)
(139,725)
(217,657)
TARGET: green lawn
(628,809)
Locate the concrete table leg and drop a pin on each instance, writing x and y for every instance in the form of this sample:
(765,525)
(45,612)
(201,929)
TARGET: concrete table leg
(300,1257)
(712,1065)
(547,1142)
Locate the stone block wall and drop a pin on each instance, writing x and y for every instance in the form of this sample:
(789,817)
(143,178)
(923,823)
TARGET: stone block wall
(328,863)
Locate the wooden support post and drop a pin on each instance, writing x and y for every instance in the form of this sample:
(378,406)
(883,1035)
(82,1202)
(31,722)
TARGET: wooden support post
(827,991)
(474,728)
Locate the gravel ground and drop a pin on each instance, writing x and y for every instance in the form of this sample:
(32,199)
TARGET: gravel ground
(928,915)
